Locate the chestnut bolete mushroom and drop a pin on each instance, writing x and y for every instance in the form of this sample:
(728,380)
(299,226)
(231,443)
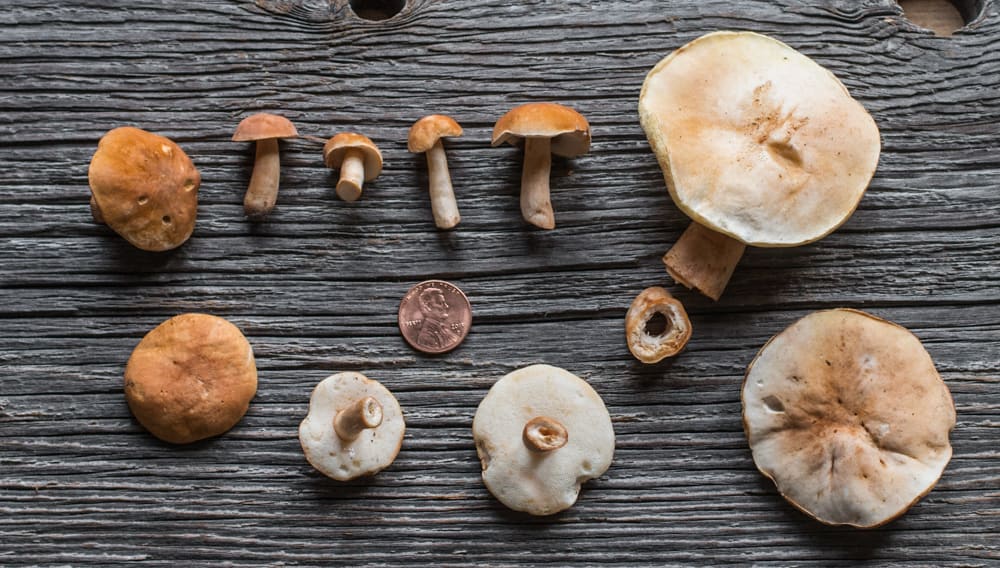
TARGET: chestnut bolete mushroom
(649,345)
(546,128)
(425,136)
(264,129)
(758,144)
(358,159)
(144,187)
(541,432)
(845,412)
(191,377)
(354,427)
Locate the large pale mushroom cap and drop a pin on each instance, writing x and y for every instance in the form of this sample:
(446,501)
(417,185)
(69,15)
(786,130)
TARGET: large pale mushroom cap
(524,479)
(568,130)
(191,377)
(145,188)
(757,141)
(374,448)
(846,413)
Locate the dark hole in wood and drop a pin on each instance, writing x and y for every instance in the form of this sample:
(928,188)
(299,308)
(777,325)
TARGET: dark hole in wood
(377,10)
(943,17)
(657,324)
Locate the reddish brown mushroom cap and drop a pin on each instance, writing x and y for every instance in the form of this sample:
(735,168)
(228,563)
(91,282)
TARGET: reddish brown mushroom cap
(428,130)
(263,126)
(568,129)
(336,147)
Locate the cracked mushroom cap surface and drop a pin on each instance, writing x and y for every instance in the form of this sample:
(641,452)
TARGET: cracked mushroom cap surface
(846,413)
(428,130)
(264,126)
(191,377)
(336,148)
(372,451)
(568,129)
(757,141)
(145,188)
(524,479)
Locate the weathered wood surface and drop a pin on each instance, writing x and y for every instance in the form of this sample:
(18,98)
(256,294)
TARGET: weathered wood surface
(316,288)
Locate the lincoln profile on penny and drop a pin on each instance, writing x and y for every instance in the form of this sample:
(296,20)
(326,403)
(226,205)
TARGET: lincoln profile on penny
(435,331)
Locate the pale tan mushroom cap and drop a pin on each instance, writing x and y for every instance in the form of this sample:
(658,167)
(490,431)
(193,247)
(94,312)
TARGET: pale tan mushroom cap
(846,413)
(262,126)
(145,187)
(568,129)
(428,130)
(526,480)
(336,147)
(191,377)
(757,141)
(372,451)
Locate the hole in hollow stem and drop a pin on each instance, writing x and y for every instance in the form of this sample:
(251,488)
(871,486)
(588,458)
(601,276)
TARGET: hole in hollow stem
(377,10)
(657,324)
(943,17)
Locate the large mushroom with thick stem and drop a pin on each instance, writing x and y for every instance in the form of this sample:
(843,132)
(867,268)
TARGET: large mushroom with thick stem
(264,129)
(758,144)
(545,129)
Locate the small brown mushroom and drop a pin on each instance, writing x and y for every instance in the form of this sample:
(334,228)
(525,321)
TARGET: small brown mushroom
(264,129)
(144,187)
(359,161)
(192,377)
(845,412)
(425,136)
(653,345)
(546,129)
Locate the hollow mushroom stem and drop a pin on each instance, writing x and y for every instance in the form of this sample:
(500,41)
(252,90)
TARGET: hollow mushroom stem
(544,434)
(356,418)
(443,203)
(536,205)
(262,192)
(352,175)
(703,260)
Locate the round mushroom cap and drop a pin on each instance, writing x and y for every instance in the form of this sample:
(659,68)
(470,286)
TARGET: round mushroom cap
(845,412)
(336,147)
(191,377)
(568,129)
(263,126)
(757,141)
(522,478)
(428,130)
(145,188)
(372,451)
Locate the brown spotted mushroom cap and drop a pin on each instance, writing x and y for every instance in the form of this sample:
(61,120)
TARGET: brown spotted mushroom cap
(145,188)
(428,130)
(846,413)
(568,129)
(191,377)
(336,147)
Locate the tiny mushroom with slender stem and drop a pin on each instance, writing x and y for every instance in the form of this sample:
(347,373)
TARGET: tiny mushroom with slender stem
(359,161)
(425,136)
(651,345)
(758,144)
(540,433)
(264,129)
(354,427)
(546,129)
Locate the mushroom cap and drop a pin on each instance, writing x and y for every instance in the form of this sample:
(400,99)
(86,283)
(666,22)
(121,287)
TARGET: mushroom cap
(191,377)
(372,451)
(336,147)
(568,129)
(522,479)
(145,187)
(263,126)
(757,141)
(428,130)
(845,412)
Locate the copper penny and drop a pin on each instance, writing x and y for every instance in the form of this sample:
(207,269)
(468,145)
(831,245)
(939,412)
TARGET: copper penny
(434,316)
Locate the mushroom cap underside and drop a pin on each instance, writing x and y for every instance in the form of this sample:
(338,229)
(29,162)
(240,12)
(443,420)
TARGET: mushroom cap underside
(568,130)
(263,126)
(428,130)
(336,148)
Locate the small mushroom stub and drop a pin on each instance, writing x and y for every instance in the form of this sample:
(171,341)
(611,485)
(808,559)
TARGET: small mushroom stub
(354,427)
(652,346)
(758,144)
(358,159)
(425,137)
(540,433)
(846,413)
(264,129)
(145,188)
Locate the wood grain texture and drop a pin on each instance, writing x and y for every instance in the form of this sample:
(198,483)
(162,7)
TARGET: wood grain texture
(317,286)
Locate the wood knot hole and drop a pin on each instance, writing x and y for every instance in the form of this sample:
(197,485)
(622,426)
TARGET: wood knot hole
(377,10)
(942,17)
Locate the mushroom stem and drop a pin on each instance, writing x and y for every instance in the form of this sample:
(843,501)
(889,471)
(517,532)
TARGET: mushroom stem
(544,434)
(704,260)
(356,418)
(443,203)
(262,193)
(352,175)
(536,206)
